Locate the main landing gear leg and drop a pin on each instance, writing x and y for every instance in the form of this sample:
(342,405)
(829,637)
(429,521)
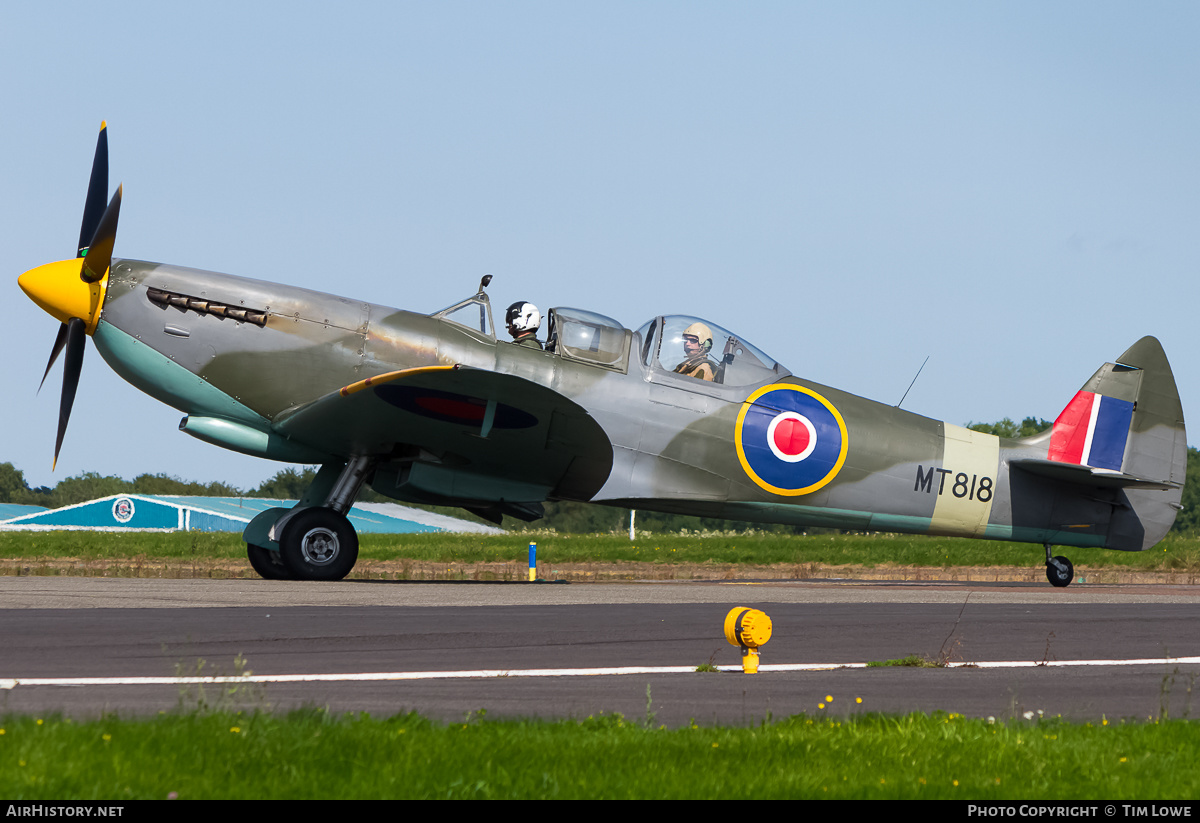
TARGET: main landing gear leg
(319,543)
(1059,570)
(315,540)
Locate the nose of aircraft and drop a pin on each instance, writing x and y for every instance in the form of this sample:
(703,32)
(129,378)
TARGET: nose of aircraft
(59,290)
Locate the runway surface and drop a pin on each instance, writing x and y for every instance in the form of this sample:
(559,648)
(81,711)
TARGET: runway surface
(82,646)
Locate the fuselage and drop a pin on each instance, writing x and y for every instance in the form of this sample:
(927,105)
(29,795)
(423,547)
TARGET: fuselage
(225,348)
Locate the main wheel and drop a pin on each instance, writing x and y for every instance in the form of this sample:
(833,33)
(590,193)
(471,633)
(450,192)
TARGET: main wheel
(1060,572)
(267,563)
(318,544)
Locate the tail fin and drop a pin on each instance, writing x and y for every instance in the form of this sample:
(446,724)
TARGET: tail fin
(1126,418)
(1127,421)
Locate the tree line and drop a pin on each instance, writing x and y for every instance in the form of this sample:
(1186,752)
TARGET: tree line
(565,517)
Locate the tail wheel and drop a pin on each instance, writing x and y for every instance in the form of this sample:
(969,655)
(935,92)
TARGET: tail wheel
(318,544)
(1059,571)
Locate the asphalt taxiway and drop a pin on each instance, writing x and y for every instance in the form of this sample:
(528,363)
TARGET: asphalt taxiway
(82,646)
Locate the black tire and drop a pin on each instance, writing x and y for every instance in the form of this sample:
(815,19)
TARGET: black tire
(1060,572)
(318,544)
(267,563)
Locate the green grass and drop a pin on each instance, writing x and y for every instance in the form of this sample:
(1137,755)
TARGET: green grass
(911,661)
(310,754)
(1176,553)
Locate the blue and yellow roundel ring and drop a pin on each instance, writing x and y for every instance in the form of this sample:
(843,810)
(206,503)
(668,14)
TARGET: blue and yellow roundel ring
(790,440)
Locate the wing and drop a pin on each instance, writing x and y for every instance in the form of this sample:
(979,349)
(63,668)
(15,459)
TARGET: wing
(475,422)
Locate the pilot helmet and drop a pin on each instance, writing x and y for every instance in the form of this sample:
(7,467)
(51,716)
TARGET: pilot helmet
(702,333)
(522,317)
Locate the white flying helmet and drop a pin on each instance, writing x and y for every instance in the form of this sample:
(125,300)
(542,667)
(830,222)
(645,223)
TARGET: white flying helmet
(522,317)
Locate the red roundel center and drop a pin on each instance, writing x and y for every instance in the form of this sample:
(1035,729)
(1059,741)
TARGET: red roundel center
(791,436)
(462,409)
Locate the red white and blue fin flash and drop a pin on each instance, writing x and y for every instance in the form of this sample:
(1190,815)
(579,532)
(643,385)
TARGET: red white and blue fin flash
(1092,431)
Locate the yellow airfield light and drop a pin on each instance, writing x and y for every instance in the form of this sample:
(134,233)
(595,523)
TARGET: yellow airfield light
(748,629)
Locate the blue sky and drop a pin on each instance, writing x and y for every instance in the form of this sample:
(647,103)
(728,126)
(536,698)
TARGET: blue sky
(1008,188)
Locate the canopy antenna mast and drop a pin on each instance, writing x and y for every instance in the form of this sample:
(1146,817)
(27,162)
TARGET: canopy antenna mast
(914,380)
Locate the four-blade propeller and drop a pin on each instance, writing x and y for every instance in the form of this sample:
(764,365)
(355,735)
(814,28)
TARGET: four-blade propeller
(51,288)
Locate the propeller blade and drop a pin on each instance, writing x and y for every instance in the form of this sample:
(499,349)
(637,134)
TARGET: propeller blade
(99,254)
(93,207)
(72,366)
(59,342)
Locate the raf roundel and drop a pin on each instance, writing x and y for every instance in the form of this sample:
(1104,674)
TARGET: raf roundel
(790,440)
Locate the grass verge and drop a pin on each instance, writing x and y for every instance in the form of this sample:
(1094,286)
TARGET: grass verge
(311,754)
(1175,554)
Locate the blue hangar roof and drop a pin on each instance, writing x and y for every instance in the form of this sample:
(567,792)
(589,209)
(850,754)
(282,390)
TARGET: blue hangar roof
(8,510)
(147,512)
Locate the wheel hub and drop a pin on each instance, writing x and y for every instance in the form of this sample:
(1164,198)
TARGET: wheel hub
(319,546)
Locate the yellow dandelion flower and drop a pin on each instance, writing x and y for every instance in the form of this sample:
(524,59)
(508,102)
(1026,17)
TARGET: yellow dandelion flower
(235,729)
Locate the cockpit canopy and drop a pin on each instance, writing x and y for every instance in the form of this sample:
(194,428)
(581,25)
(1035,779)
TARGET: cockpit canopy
(671,345)
(585,335)
(474,313)
(720,357)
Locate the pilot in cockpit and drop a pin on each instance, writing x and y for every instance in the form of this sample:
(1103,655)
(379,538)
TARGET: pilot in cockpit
(523,320)
(697,343)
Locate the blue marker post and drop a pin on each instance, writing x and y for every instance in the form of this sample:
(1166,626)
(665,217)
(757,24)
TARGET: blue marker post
(532,562)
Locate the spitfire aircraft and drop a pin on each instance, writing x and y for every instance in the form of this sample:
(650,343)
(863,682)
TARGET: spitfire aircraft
(676,416)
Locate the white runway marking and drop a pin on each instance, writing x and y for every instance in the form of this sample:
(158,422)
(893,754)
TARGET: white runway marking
(13,682)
